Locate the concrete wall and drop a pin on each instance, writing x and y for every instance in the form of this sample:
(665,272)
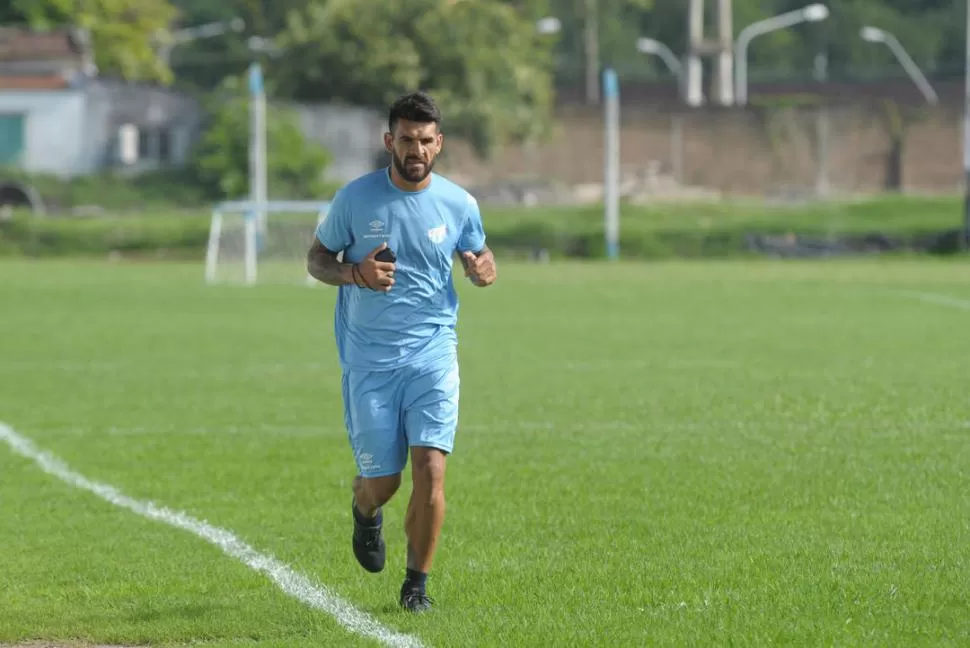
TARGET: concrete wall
(352,135)
(754,151)
(54,127)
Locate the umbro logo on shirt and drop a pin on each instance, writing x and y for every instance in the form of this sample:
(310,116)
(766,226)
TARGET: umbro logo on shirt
(377,228)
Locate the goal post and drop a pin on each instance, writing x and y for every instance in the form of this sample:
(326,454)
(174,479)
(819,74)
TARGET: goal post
(252,243)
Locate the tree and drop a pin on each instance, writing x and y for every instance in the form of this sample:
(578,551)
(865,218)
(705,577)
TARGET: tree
(202,64)
(932,30)
(220,162)
(122,32)
(483,61)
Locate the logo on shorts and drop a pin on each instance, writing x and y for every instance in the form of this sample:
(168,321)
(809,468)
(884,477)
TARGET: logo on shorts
(437,234)
(367,464)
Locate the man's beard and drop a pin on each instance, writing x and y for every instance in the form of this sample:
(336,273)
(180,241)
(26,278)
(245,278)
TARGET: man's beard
(412,175)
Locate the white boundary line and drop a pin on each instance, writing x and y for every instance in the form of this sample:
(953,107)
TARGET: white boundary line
(291,582)
(936,298)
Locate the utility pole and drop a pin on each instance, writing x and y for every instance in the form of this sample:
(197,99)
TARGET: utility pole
(592,48)
(720,49)
(966,141)
(724,69)
(822,128)
(694,82)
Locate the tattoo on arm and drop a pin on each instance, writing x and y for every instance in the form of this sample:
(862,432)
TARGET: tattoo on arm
(322,265)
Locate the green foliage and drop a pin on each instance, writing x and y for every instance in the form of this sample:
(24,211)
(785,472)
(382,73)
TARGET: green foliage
(364,51)
(295,165)
(122,32)
(716,229)
(159,235)
(369,52)
(113,191)
(931,30)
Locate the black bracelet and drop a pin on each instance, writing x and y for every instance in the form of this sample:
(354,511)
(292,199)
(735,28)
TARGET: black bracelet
(361,275)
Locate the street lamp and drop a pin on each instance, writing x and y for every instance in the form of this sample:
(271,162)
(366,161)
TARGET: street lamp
(655,47)
(812,13)
(875,35)
(188,34)
(651,46)
(548,25)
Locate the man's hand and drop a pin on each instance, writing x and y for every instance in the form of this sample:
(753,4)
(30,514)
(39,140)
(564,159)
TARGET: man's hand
(374,274)
(481,268)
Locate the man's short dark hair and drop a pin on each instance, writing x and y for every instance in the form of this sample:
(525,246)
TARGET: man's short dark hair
(416,107)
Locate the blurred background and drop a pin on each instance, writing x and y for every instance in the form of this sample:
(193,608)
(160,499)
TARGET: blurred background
(839,120)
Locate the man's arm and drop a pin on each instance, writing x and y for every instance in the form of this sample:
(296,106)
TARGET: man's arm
(478,260)
(322,264)
(480,267)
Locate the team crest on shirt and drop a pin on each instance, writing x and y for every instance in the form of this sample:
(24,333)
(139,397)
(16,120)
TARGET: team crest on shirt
(438,234)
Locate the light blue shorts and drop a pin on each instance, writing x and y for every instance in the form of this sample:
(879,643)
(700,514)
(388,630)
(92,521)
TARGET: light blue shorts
(388,412)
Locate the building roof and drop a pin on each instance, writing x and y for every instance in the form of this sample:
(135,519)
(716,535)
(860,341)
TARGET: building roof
(24,82)
(27,46)
(43,60)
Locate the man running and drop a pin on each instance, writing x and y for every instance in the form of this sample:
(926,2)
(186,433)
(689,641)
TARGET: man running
(394,323)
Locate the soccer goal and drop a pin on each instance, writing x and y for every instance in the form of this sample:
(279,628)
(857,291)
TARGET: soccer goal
(253,243)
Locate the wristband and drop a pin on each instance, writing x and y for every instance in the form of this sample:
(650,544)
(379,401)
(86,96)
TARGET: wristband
(361,275)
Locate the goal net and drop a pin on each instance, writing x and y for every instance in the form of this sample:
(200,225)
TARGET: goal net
(251,243)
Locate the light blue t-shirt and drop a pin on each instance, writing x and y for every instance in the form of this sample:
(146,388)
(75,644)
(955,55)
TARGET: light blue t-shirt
(415,321)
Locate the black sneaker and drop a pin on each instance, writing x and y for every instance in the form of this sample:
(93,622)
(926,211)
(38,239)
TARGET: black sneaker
(415,600)
(369,547)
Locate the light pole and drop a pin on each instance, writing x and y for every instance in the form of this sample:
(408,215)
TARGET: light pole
(812,13)
(966,141)
(548,25)
(651,46)
(875,35)
(592,51)
(258,147)
(188,34)
(545,26)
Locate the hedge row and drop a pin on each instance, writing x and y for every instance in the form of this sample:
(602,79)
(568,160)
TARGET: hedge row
(698,230)
(156,235)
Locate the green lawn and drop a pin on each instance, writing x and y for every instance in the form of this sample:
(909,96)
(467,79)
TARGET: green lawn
(706,453)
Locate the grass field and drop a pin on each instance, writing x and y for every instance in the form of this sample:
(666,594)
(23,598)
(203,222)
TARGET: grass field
(712,453)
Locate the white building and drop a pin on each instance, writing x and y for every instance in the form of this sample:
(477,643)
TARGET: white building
(57,117)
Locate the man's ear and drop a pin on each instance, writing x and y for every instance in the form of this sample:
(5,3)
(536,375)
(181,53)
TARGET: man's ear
(388,142)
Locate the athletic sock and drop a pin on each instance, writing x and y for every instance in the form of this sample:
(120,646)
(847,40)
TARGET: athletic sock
(366,521)
(415,580)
